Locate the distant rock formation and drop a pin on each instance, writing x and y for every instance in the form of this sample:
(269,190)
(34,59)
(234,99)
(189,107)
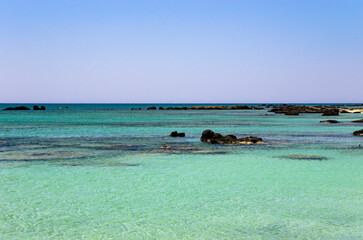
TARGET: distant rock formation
(296,109)
(216,138)
(176,134)
(38,108)
(234,107)
(17,108)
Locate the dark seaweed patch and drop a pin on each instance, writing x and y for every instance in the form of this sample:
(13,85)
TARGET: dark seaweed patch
(304,157)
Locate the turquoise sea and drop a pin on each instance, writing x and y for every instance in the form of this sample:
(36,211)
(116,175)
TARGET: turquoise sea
(96,171)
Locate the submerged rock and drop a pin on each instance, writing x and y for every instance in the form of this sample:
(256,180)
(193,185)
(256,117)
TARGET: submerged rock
(358,133)
(216,138)
(17,108)
(176,134)
(330,121)
(305,157)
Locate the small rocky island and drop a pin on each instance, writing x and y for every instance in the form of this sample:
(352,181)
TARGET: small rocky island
(35,107)
(209,136)
(16,108)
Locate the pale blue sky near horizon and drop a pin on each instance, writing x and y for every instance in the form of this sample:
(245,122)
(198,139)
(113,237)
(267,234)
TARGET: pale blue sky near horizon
(181,51)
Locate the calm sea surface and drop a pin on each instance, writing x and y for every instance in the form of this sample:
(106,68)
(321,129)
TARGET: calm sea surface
(97,172)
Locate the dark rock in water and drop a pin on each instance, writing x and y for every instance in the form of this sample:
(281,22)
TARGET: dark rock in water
(161,108)
(151,108)
(258,108)
(38,108)
(358,133)
(216,138)
(330,121)
(17,108)
(358,121)
(292,112)
(305,157)
(176,134)
(331,112)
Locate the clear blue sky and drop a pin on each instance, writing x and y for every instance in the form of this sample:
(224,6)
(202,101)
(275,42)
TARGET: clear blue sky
(181,51)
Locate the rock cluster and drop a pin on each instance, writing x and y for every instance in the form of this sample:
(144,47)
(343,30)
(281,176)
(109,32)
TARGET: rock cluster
(358,133)
(176,134)
(216,138)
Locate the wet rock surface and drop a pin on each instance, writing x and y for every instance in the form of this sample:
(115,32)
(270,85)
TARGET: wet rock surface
(209,136)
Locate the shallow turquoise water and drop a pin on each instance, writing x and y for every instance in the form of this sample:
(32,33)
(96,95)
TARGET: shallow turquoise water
(97,172)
